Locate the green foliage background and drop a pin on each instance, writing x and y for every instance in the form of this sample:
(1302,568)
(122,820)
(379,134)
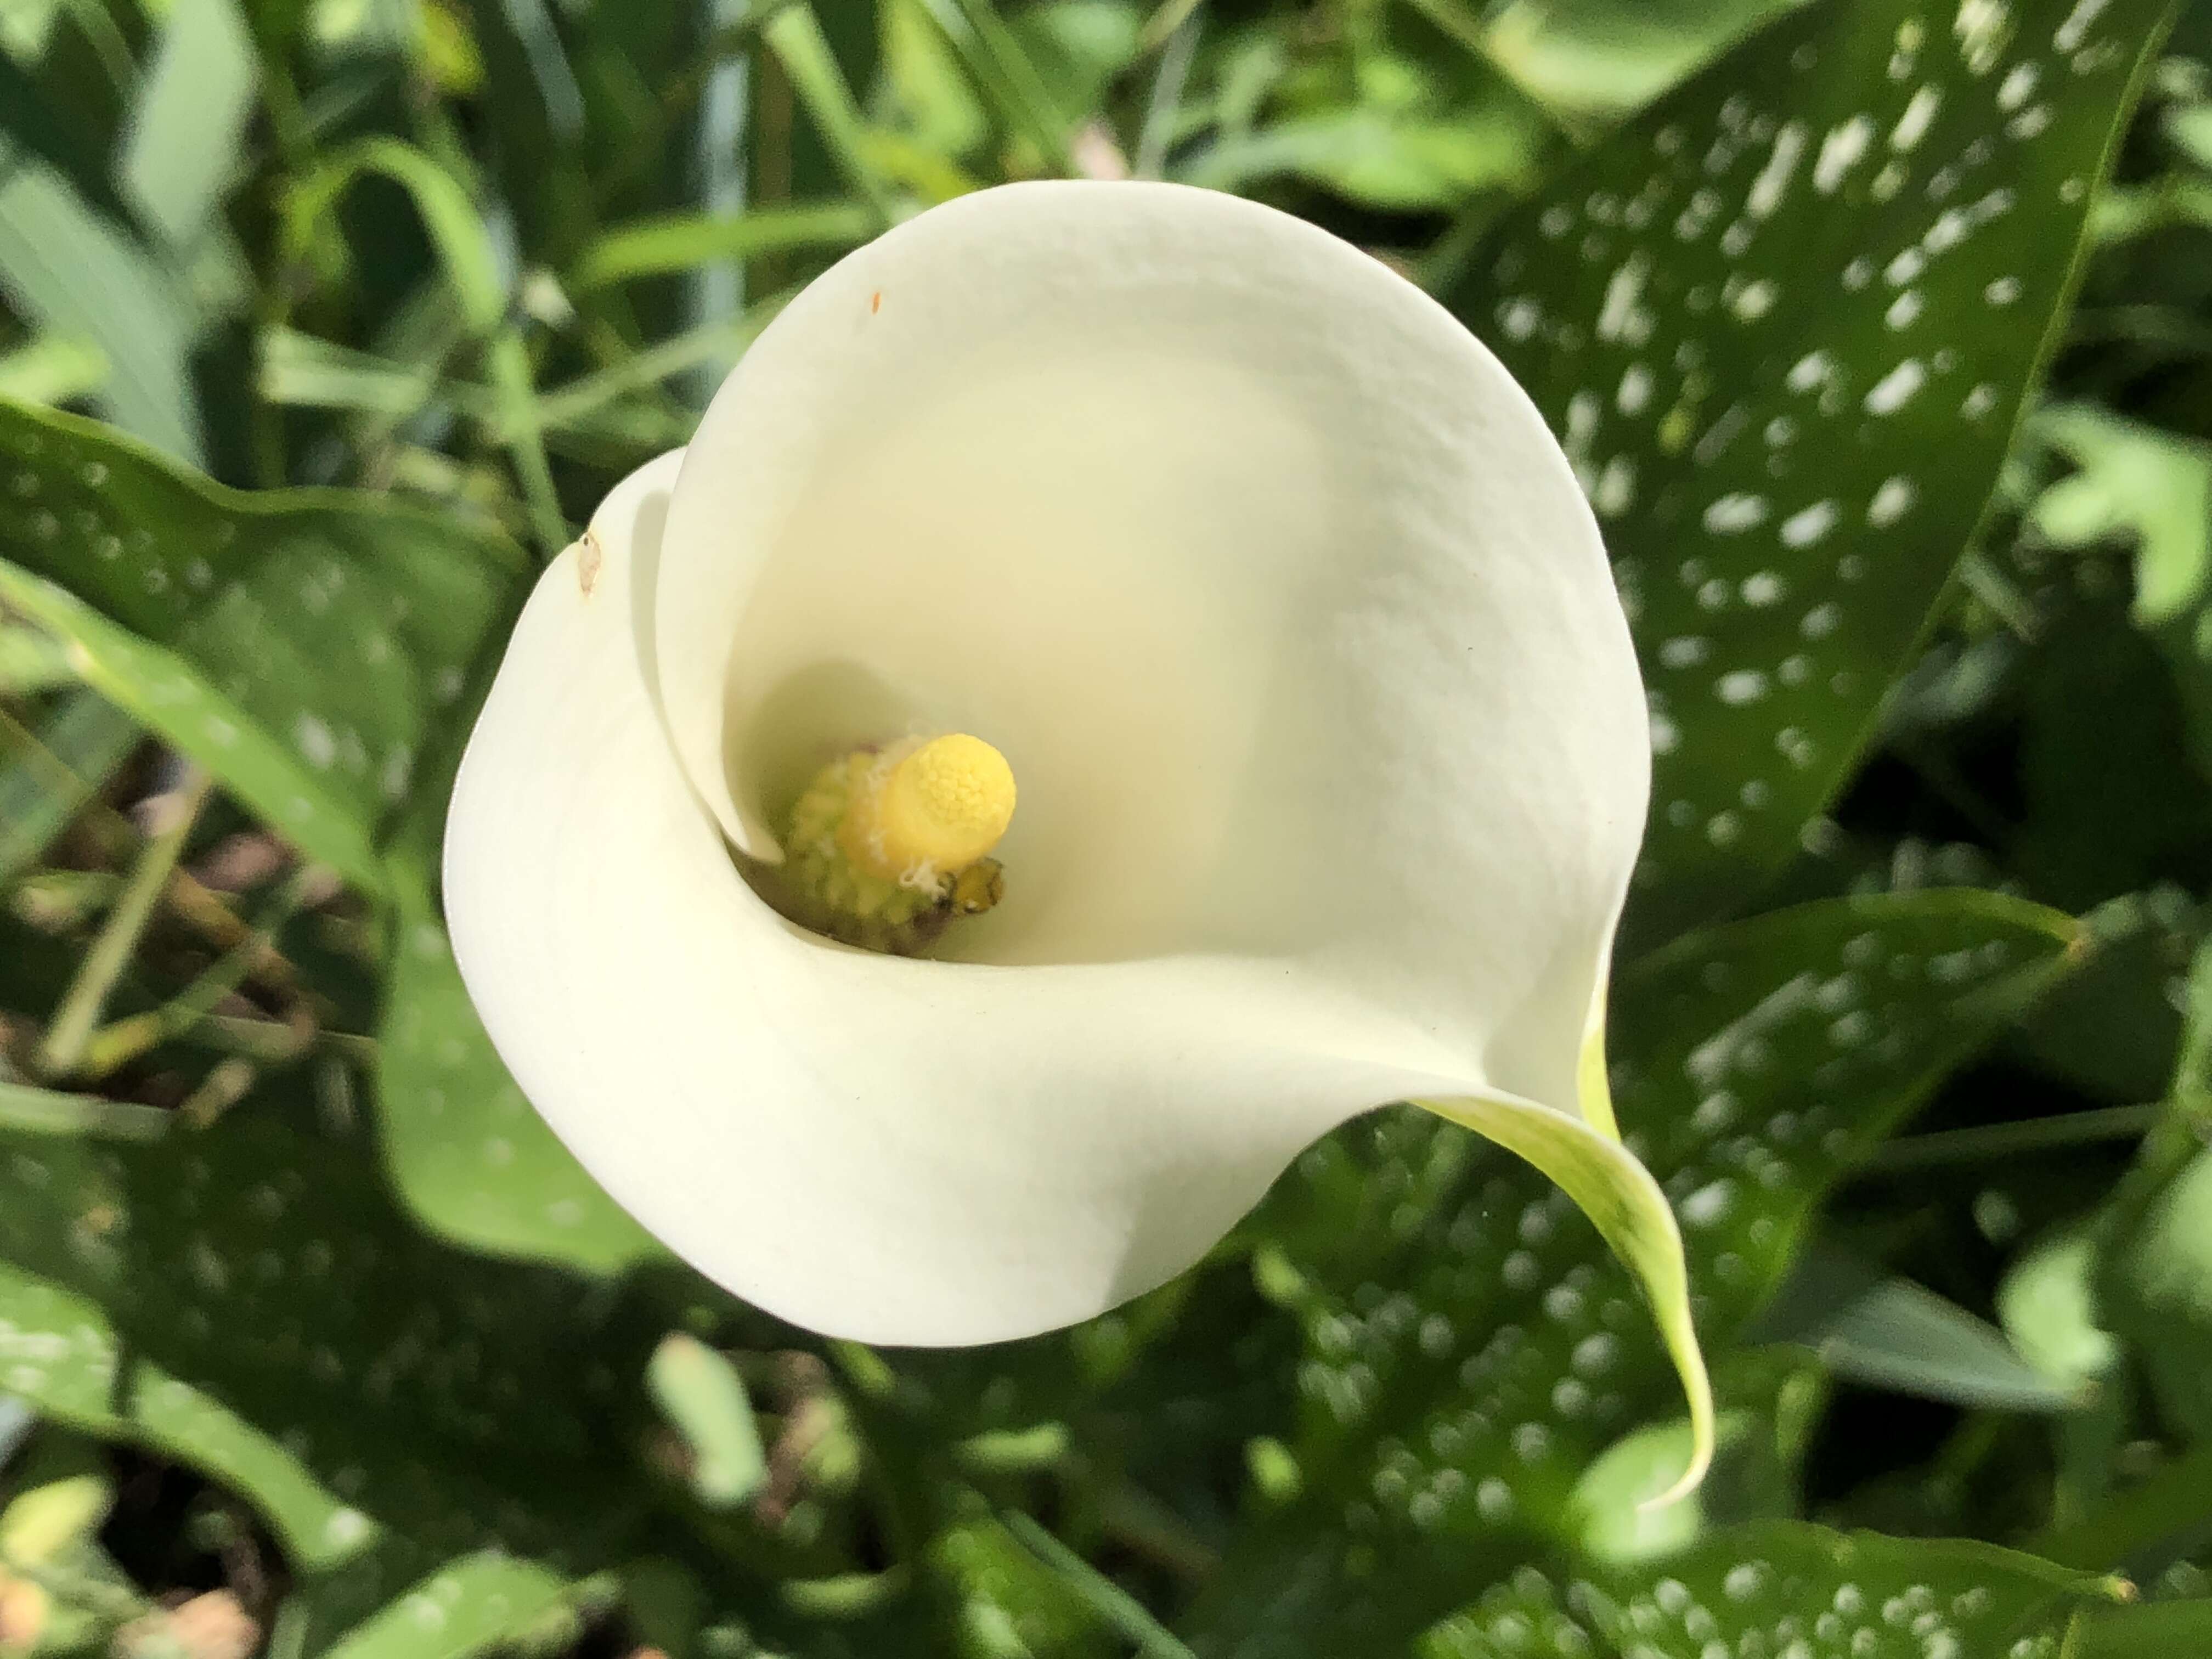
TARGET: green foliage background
(1880,334)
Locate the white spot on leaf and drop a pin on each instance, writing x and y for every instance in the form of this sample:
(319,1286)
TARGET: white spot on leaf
(1895,389)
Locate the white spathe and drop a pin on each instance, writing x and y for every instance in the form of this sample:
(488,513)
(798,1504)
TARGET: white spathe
(1288,613)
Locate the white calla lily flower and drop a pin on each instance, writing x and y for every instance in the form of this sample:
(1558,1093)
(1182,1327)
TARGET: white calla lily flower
(1284,611)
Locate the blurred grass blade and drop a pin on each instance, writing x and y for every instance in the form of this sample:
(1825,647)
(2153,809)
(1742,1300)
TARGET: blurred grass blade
(1378,158)
(681,241)
(1032,99)
(75,751)
(1599,59)
(472,266)
(1887,1332)
(30,660)
(29,114)
(45,1111)
(794,35)
(62,1048)
(1006,77)
(1113,1604)
(548,59)
(77,274)
(181,147)
(126,1039)
(574,403)
(300,371)
(54,368)
(455,228)
(508,361)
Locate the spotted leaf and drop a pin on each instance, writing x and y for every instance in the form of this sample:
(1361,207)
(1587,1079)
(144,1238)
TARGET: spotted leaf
(438,1402)
(464,1607)
(306,646)
(1471,1346)
(466,1152)
(1786,1589)
(59,1351)
(1785,324)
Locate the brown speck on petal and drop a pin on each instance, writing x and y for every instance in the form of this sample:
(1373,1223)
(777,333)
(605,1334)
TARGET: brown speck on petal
(588,557)
(876,302)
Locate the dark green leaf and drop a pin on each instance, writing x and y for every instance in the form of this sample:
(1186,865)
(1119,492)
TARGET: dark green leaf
(428,1403)
(1470,1346)
(306,647)
(2164,1630)
(467,1153)
(1785,1589)
(464,1607)
(1754,316)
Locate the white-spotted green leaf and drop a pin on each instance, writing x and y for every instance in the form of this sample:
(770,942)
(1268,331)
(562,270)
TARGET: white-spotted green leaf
(2158,1630)
(467,1153)
(308,647)
(1784,323)
(1785,1589)
(1471,1345)
(443,1403)
(59,1351)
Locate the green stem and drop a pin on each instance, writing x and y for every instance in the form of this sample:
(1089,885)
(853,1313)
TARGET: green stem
(1163,23)
(61,767)
(275,1042)
(1995,1140)
(509,366)
(125,1040)
(580,397)
(1158,130)
(1995,589)
(956,21)
(62,1049)
(1104,1596)
(46,1111)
